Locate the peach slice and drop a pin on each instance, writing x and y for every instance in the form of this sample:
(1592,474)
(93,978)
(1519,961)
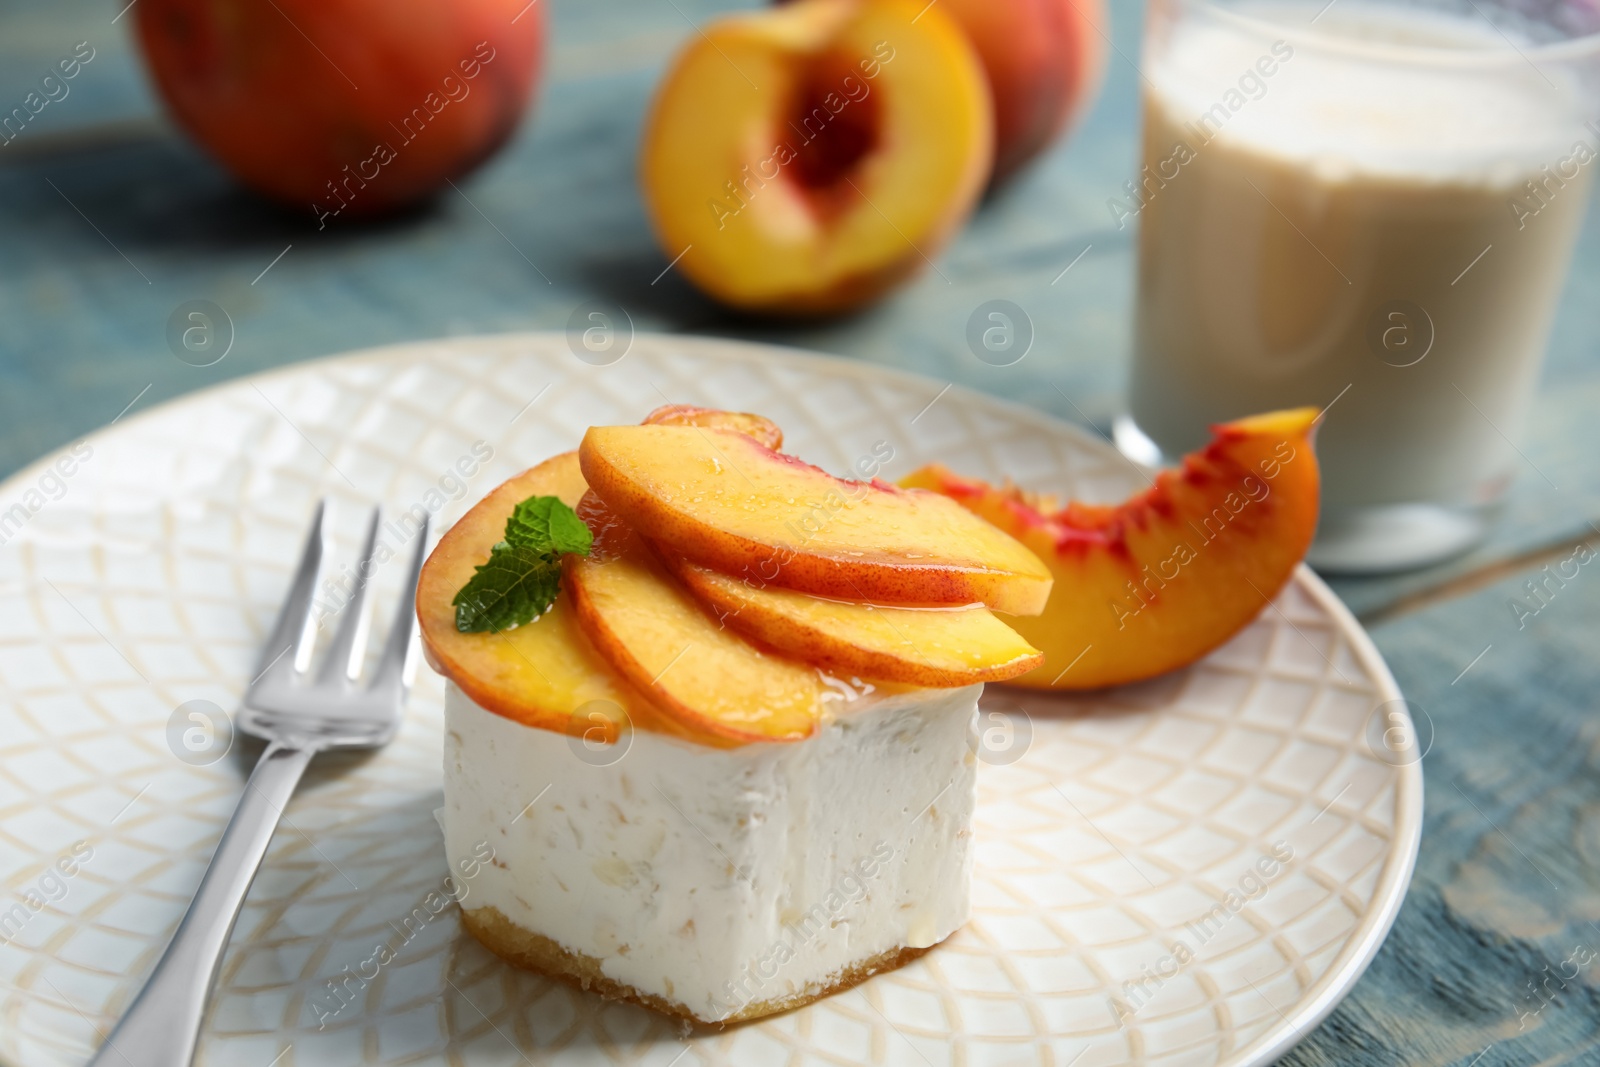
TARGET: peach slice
(727,502)
(663,642)
(536,674)
(761,428)
(919,646)
(542,674)
(1155,583)
(807,158)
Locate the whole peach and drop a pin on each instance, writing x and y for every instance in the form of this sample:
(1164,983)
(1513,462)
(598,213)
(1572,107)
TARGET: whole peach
(1044,60)
(345,106)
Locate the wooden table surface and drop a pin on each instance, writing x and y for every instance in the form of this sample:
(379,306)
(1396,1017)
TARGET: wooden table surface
(109,219)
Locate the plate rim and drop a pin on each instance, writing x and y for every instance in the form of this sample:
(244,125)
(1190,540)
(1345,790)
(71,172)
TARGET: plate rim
(1389,895)
(1394,885)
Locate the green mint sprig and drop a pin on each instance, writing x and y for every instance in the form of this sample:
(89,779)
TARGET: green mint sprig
(523,574)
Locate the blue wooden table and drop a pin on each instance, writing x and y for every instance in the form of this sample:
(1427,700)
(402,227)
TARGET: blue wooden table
(109,220)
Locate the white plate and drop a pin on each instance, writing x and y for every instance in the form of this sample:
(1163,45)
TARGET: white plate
(151,580)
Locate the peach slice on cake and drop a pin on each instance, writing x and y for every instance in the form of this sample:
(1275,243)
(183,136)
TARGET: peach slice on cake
(543,673)
(950,646)
(729,503)
(809,157)
(539,674)
(760,427)
(664,643)
(1156,582)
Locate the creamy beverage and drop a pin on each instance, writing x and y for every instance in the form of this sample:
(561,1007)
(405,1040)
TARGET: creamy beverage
(1378,208)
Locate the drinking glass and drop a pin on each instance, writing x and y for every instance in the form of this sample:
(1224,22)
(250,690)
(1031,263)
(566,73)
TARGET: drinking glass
(1368,206)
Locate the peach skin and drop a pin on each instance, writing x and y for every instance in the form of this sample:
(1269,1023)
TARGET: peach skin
(1043,59)
(345,106)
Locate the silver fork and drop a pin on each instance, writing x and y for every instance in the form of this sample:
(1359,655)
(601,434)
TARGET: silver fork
(298,716)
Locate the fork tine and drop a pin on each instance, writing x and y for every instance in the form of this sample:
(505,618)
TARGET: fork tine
(392,669)
(296,627)
(349,646)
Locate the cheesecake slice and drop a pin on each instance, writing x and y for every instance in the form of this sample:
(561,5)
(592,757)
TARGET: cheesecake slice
(718,884)
(716,797)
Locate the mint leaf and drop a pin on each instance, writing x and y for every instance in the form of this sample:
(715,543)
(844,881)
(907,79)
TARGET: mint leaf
(522,576)
(545,524)
(515,586)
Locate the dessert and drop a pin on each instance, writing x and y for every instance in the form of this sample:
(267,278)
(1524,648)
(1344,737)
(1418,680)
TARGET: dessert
(711,884)
(716,794)
(1158,581)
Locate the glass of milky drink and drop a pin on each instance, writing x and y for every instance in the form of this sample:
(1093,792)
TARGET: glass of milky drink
(1369,207)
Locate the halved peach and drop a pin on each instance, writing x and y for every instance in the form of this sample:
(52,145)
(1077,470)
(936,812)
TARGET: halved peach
(949,646)
(758,426)
(664,643)
(727,502)
(1155,583)
(807,158)
(1044,60)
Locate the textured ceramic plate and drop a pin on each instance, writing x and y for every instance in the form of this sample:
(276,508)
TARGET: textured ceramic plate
(1189,871)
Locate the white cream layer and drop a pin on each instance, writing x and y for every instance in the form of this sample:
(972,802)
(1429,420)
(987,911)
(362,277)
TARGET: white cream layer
(715,878)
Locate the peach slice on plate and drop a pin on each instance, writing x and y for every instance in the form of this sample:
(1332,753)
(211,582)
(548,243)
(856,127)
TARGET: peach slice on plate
(1156,582)
(539,674)
(807,158)
(918,646)
(727,502)
(664,643)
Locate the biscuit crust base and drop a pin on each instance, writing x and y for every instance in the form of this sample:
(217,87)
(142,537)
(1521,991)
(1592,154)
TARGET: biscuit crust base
(535,952)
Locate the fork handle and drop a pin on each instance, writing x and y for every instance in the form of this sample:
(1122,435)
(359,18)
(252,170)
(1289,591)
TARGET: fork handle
(163,1025)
